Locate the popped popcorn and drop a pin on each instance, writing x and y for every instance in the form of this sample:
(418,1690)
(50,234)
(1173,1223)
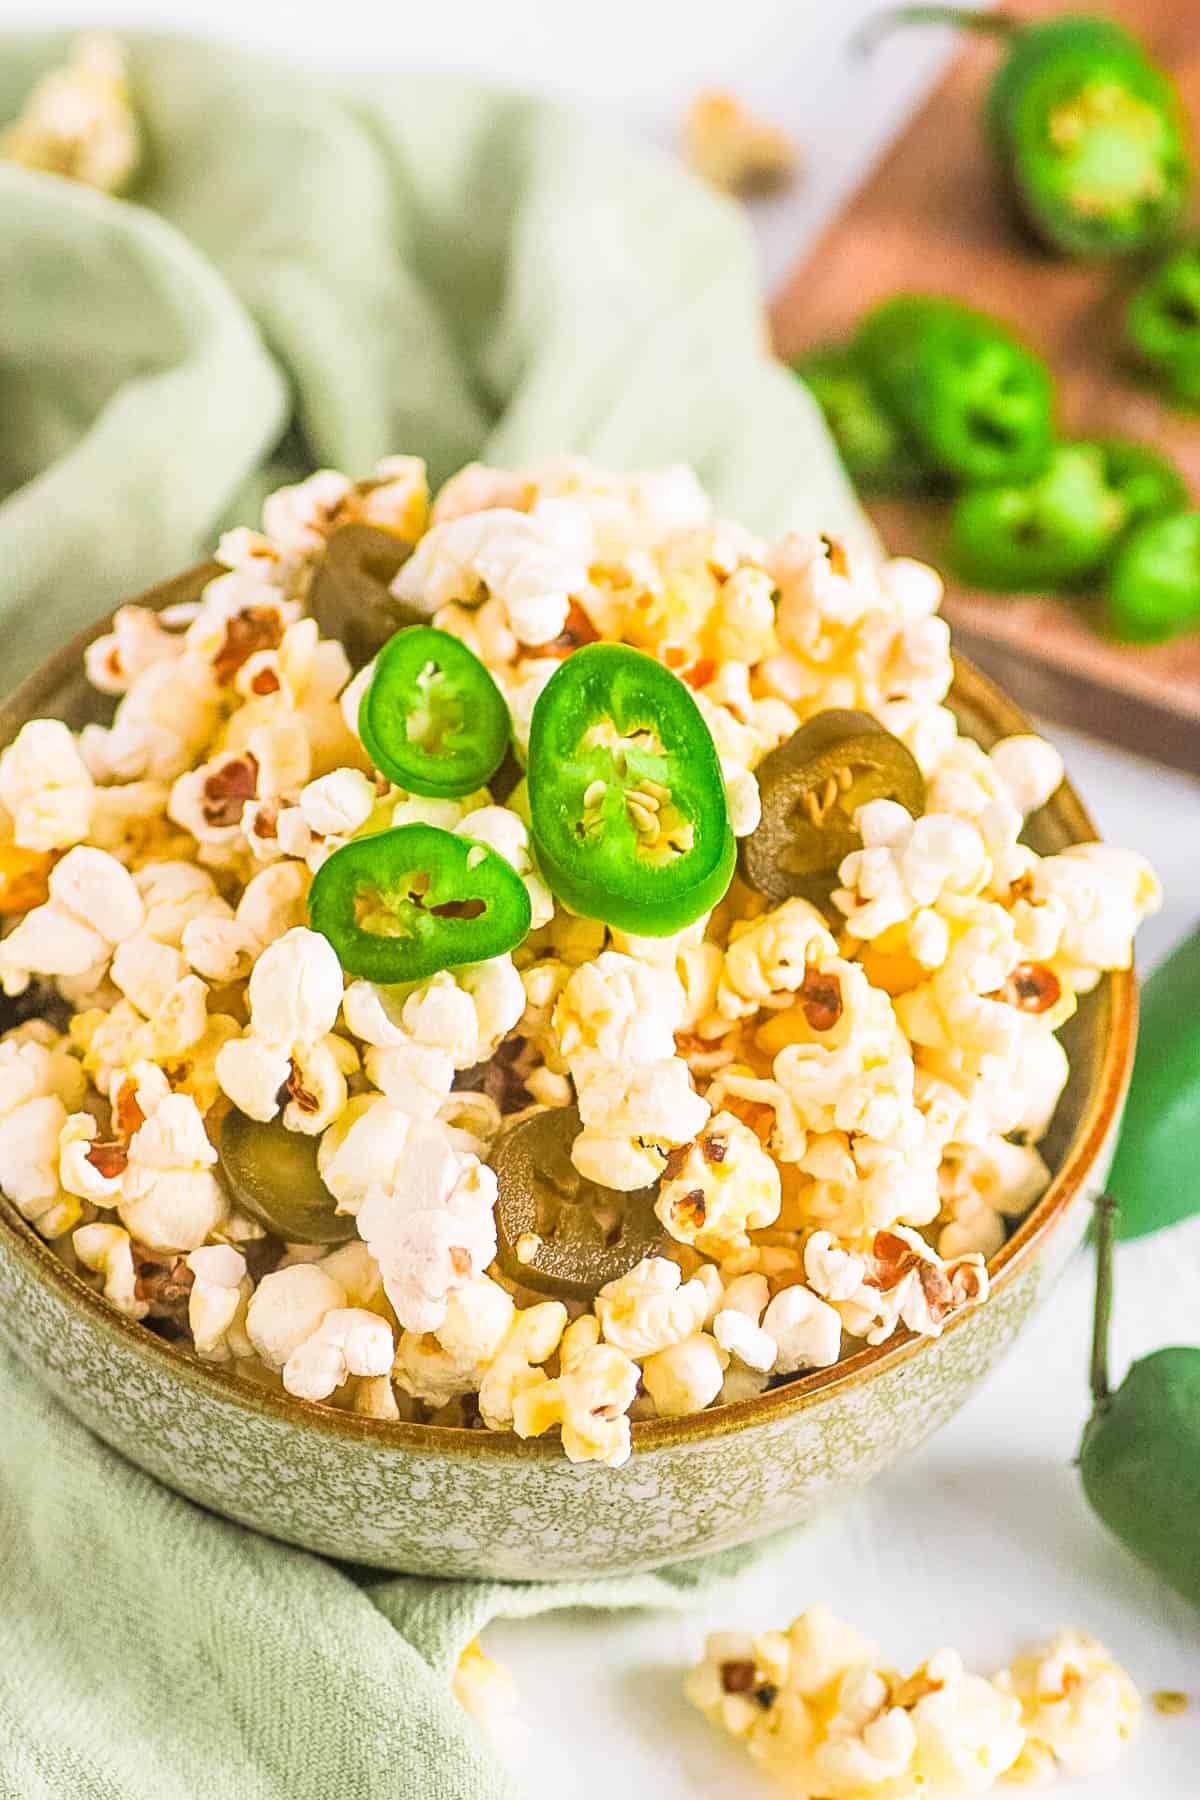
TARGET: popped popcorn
(78,121)
(815,1708)
(590,1398)
(833,1112)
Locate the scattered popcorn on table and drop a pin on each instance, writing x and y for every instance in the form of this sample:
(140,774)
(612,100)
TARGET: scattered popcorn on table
(820,1713)
(825,1121)
(728,146)
(485,1689)
(79,120)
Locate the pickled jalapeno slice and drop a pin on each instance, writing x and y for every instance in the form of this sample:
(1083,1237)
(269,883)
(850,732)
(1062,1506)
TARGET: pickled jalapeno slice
(557,1232)
(351,598)
(272,1174)
(810,787)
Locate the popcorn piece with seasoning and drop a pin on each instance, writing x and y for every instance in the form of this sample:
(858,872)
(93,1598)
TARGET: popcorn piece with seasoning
(217,1303)
(1079,1709)
(46,790)
(93,904)
(719,1187)
(106,1250)
(650,1308)
(434,1231)
(531,1340)
(534,562)
(590,1398)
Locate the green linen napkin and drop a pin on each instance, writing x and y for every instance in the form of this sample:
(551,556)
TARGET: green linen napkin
(307,274)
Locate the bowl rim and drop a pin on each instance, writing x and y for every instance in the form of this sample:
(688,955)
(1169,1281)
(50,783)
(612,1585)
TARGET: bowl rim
(216,1383)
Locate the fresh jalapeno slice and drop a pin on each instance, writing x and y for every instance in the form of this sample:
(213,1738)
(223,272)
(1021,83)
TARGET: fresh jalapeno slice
(977,402)
(1154,590)
(272,1174)
(810,788)
(626,797)
(877,453)
(1146,482)
(1163,318)
(1088,134)
(1043,533)
(557,1232)
(403,904)
(351,598)
(432,719)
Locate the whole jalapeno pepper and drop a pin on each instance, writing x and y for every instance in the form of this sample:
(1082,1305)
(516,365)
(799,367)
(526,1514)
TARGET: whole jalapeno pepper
(810,788)
(1156,1170)
(432,718)
(977,402)
(877,453)
(1088,133)
(556,1231)
(1162,321)
(272,1174)
(1044,533)
(626,798)
(350,596)
(406,903)
(1154,589)
(1140,1457)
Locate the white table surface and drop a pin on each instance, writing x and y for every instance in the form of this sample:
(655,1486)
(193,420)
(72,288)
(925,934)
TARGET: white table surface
(982,1539)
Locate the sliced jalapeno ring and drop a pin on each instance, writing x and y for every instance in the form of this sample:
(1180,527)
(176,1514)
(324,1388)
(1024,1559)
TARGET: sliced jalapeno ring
(626,797)
(976,400)
(406,903)
(272,1174)
(811,787)
(1154,590)
(557,1232)
(432,718)
(1048,532)
(351,597)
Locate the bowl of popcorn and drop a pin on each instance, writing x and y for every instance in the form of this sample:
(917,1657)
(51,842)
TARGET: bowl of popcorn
(542,1034)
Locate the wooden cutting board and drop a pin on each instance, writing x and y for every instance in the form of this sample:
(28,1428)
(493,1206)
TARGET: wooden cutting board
(929,217)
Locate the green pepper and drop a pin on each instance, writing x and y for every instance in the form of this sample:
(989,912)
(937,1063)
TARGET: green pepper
(977,402)
(432,719)
(556,1231)
(1088,133)
(626,798)
(1156,1170)
(1146,482)
(810,788)
(1044,533)
(1154,590)
(403,904)
(1162,321)
(272,1174)
(350,596)
(1140,1456)
(872,445)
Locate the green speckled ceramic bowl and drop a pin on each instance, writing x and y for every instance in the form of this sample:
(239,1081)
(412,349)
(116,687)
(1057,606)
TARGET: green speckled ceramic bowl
(452,1502)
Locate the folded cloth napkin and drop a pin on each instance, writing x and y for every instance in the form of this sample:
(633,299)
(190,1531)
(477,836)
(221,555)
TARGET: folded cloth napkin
(309,274)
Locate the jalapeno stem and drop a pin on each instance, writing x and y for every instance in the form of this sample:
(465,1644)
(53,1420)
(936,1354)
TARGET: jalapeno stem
(1106,1226)
(992,24)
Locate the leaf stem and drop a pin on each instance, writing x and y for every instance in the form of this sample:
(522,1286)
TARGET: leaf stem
(961,18)
(1106,1219)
